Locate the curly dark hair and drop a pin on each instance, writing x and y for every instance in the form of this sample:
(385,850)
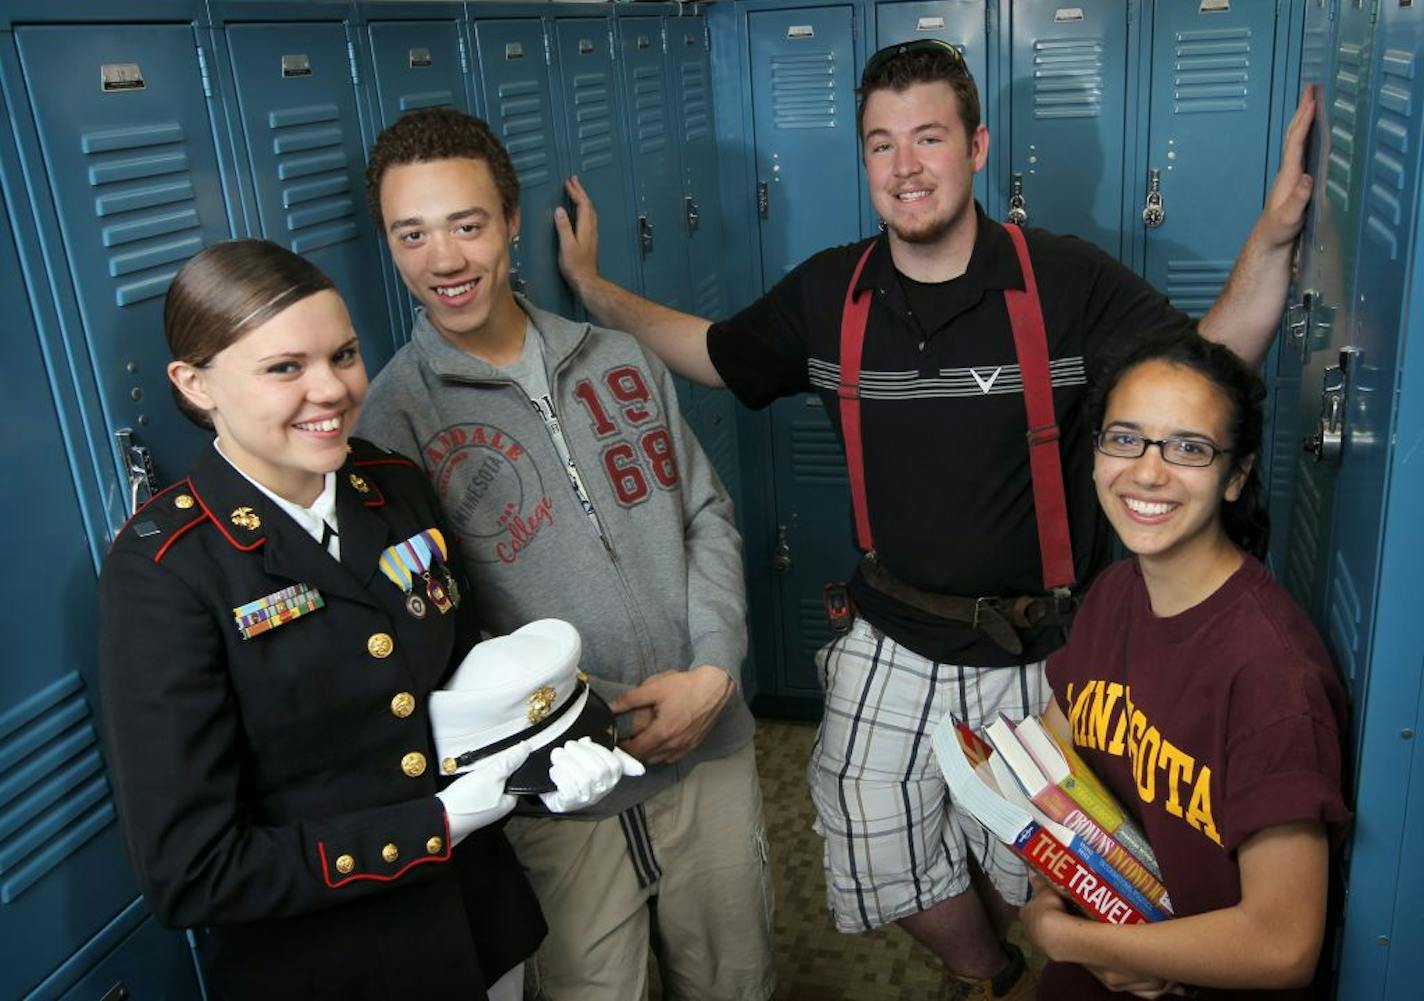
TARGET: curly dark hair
(439,134)
(898,67)
(1245,520)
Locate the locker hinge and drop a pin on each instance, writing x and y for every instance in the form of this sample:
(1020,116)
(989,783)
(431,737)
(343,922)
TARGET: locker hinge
(548,54)
(988,19)
(1374,11)
(664,33)
(1130,5)
(612,46)
(203,72)
(706,37)
(854,27)
(351,59)
(464,56)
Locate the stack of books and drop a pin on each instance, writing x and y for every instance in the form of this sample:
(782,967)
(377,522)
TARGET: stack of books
(1032,791)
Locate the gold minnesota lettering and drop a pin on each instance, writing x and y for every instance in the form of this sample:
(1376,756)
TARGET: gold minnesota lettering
(1104,718)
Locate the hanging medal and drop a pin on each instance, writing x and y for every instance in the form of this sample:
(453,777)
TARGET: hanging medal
(432,543)
(401,564)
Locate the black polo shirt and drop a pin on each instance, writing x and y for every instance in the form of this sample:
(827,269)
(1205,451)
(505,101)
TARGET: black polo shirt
(942,415)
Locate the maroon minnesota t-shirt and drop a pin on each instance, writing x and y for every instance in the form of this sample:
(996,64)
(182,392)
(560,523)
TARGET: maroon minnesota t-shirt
(1208,726)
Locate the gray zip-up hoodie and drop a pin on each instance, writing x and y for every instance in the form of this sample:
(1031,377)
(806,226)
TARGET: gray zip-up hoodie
(661,590)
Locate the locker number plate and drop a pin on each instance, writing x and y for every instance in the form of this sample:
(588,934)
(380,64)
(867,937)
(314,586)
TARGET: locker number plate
(118,77)
(297,65)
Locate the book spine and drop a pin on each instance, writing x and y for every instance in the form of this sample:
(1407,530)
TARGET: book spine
(1117,880)
(1133,840)
(1074,878)
(1117,855)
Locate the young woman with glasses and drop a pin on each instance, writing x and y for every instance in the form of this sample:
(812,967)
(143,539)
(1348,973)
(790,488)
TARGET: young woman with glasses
(1201,694)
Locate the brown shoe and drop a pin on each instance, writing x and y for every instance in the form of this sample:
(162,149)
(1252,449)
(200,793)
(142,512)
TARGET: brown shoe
(1015,982)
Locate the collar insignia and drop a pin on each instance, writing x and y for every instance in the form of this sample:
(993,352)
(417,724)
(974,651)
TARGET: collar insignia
(245,517)
(360,484)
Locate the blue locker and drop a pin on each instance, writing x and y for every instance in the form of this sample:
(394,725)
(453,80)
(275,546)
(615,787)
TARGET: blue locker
(959,22)
(134,177)
(1329,285)
(296,105)
(804,72)
(66,895)
(414,64)
(1211,87)
(1317,58)
(593,112)
(1371,572)
(1068,90)
(713,411)
(657,197)
(514,79)
(692,95)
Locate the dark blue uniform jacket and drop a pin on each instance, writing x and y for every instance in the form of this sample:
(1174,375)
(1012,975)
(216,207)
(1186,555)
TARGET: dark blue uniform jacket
(280,789)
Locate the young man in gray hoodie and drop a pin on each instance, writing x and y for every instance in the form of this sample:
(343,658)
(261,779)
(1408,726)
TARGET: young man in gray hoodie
(578,492)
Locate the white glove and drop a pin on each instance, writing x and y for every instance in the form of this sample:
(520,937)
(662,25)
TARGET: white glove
(477,798)
(584,773)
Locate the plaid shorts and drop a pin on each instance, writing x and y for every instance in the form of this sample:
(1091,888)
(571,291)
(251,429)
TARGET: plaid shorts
(894,842)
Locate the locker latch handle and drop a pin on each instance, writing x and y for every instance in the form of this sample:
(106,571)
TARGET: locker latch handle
(690,207)
(1327,442)
(138,466)
(781,555)
(645,234)
(763,199)
(1018,208)
(1153,213)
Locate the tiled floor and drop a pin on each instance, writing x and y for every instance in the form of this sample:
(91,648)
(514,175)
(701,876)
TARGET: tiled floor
(814,961)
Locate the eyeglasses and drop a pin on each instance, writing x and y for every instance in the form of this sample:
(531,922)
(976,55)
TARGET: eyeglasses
(877,62)
(1178,451)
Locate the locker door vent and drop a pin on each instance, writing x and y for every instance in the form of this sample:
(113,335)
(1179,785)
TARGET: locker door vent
(803,90)
(1212,71)
(813,630)
(308,146)
(1067,78)
(1345,123)
(696,107)
(593,113)
(1193,285)
(427,99)
(53,793)
(816,456)
(649,108)
(1304,536)
(145,203)
(1343,616)
(1385,212)
(524,127)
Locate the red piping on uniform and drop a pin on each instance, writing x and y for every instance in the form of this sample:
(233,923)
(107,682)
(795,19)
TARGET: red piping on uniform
(175,536)
(321,850)
(142,508)
(223,528)
(395,461)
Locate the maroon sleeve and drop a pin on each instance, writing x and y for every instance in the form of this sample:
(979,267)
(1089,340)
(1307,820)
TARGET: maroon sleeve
(1282,768)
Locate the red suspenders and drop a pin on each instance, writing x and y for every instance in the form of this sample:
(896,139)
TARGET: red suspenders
(1045,467)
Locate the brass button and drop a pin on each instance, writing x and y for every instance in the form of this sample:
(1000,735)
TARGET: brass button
(344,864)
(449,765)
(413,764)
(402,705)
(390,853)
(183,502)
(435,846)
(380,645)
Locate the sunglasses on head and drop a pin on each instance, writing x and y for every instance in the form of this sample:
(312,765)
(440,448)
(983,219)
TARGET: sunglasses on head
(877,62)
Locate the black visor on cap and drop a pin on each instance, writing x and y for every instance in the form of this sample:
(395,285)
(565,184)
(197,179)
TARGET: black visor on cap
(595,721)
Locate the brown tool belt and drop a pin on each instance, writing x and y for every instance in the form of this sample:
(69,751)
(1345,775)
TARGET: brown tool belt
(997,617)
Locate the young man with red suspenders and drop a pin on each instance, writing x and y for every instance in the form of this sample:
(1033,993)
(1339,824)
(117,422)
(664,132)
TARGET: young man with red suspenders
(951,354)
